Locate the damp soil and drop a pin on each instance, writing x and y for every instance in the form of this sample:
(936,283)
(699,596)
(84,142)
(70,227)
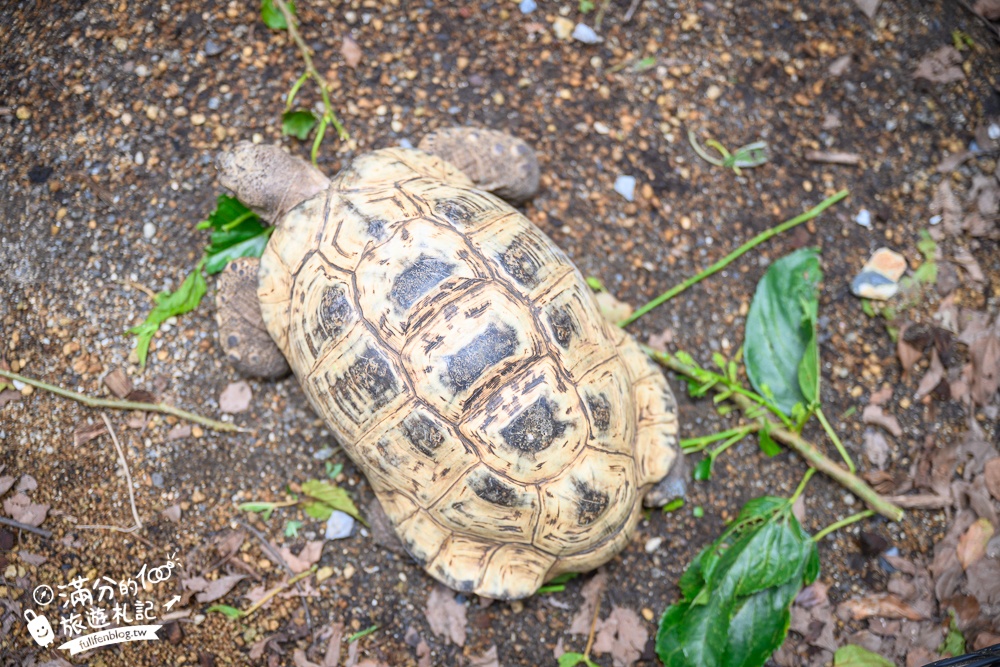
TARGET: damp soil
(112,114)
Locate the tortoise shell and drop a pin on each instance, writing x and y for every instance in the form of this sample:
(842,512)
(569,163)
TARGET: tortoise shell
(459,357)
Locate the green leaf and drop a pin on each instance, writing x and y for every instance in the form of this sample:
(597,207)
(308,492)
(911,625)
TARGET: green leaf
(698,511)
(332,470)
(331,495)
(362,633)
(855,656)
(760,624)
(227,611)
(703,470)
(644,64)
(954,642)
(596,285)
(586,6)
(318,510)
(298,123)
(574,659)
(292,528)
(673,505)
(767,443)
(169,304)
(780,331)
(272,16)
(265,509)
(236,232)
(557,584)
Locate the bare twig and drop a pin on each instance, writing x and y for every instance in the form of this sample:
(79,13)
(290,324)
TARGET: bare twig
(115,404)
(277,589)
(23,526)
(281,561)
(631,11)
(601,11)
(128,474)
(800,445)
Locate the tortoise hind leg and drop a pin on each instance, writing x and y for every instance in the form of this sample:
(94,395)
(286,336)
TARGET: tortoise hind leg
(242,334)
(656,441)
(495,161)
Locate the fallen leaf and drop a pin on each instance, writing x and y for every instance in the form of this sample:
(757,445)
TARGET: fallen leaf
(967,261)
(258,648)
(229,543)
(307,557)
(881,396)
(907,353)
(591,594)
(984,580)
(873,414)
(31,559)
(988,9)
(86,433)
(869,7)
(218,588)
(235,397)
(946,204)
(833,157)
(876,448)
(8,395)
(984,351)
(26,483)
(6,482)
(196,584)
(118,382)
(179,431)
(885,605)
(954,161)
(488,659)
(623,635)
(300,659)
(20,508)
(992,474)
(660,341)
(173,513)
(972,544)
(986,192)
(446,615)
(351,51)
(941,66)
(812,595)
(612,309)
(332,656)
(932,378)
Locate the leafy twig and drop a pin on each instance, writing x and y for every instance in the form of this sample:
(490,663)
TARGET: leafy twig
(813,456)
(115,404)
(728,259)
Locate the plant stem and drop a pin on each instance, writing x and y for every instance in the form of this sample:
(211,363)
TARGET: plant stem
(115,404)
(727,444)
(813,456)
(802,485)
(836,440)
(306,54)
(692,445)
(842,523)
(277,589)
(728,259)
(23,526)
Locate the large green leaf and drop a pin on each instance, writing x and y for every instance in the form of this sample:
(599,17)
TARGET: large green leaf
(186,298)
(298,123)
(332,496)
(856,656)
(780,349)
(272,16)
(236,232)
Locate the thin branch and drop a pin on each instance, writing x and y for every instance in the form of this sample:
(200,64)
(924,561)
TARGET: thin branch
(813,456)
(593,625)
(128,474)
(277,589)
(728,259)
(842,524)
(115,404)
(631,11)
(23,526)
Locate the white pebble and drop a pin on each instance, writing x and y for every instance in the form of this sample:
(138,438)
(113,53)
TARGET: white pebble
(527,6)
(584,33)
(653,543)
(864,218)
(339,525)
(148,230)
(140,159)
(625,186)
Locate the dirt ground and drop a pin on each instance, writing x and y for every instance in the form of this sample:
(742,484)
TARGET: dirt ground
(111,115)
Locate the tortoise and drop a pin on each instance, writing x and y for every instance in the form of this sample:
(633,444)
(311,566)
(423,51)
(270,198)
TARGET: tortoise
(508,430)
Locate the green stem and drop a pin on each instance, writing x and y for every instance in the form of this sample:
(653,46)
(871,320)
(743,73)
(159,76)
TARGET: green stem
(836,440)
(714,454)
(842,523)
(115,404)
(728,259)
(235,223)
(802,486)
(693,445)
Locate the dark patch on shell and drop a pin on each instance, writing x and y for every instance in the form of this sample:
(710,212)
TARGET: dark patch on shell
(486,350)
(590,503)
(492,490)
(534,429)
(418,279)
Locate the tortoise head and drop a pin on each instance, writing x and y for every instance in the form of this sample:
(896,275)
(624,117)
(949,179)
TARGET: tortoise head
(269,180)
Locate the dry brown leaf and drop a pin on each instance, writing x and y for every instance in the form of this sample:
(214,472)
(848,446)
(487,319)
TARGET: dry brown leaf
(992,474)
(985,191)
(984,351)
(196,584)
(20,508)
(307,557)
(623,635)
(8,395)
(881,396)
(446,615)
(869,7)
(954,161)
(984,580)
(351,51)
(218,588)
(591,594)
(873,414)
(118,382)
(300,659)
(941,66)
(932,378)
(876,448)
(31,559)
(885,605)
(908,354)
(179,431)
(946,204)
(6,482)
(988,9)
(332,656)
(612,309)
(87,432)
(660,341)
(258,647)
(424,655)
(812,595)
(967,261)
(235,397)
(172,513)
(972,543)
(488,659)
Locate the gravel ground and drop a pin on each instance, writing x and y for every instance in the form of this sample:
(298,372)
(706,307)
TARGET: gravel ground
(111,114)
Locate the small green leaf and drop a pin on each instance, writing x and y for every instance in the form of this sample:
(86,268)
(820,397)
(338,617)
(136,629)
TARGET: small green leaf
(586,6)
(168,304)
(574,659)
(596,285)
(292,528)
(332,496)
(298,123)
(698,511)
(855,656)
(767,443)
(703,470)
(272,16)
(227,611)
(318,510)
(558,584)
(363,633)
(644,64)
(780,330)
(673,505)
(333,471)
(954,642)
(265,509)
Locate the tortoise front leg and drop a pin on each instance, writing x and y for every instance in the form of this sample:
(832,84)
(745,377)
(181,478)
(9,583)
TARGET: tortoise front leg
(242,334)
(494,161)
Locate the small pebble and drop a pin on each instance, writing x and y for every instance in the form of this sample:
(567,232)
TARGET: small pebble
(625,186)
(562,27)
(601,128)
(584,33)
(879,278)
(148,230)
(140,159)
(157,480)
(213,103)
(323,454)
(349,571)
(339,525)
(864,218)
(527,6)
(648,614)
(653,543)
(212,48)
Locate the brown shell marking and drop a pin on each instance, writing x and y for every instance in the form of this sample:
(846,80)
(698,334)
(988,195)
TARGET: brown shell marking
(508,431)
